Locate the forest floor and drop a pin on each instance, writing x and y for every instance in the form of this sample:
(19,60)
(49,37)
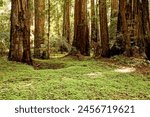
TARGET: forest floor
(67,78)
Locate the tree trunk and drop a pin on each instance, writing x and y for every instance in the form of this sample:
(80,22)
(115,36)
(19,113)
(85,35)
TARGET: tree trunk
(39,28)
(94,30)
(26,32)
(81,35)
(48,33)
(123,43)
(146,27)
(134,26)
(113,22)
(66,21)
(124,30)
(76,18)
(20,32)
(104,29)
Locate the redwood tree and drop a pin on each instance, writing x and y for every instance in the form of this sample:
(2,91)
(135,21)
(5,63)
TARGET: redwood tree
(114,15)
(94,28)
(104,29)
(66,21)
(49,26)
(93,22)
(81,30)
(122,44)
(39,28)
(20,32)
(146,27)
(133,28)
(124,27)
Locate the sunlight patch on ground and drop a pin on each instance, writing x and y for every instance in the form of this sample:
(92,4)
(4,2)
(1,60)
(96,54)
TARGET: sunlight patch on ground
(125,69)
(94,74)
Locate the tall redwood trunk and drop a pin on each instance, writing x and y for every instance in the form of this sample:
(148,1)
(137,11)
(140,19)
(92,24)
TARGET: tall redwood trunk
(124,30)
(66,21)
(123,37)
(39,28)
(104,29)
(81,34)
(113,21)
(20,32)
(49,26)
(93,22)
(146,27)
(94,30)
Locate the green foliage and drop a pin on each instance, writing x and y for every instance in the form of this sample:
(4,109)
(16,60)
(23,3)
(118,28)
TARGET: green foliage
(59,44)
(4,33)
(4,27)
(3,47)
(1,3)
(88,79)
(113,28)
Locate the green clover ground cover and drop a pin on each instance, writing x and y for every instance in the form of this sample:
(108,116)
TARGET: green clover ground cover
(87,79)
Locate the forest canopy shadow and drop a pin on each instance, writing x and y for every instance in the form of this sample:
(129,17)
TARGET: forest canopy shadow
(40,65)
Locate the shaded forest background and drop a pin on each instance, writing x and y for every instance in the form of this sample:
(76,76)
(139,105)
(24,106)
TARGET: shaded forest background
(97,28)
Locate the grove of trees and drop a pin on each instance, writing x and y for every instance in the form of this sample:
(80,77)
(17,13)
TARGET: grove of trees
(98,28)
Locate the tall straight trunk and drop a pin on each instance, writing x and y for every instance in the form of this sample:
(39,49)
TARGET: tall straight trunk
(48,33)
(93,22)
(76,15)
(15,52)
(20,32)
(39,28)
(113,22)
(124,27)
(146,21)
(81,35)
(135,28)
(94,28)
(146,27)
(66,21)
(26,32)
(136,21)
(104,29)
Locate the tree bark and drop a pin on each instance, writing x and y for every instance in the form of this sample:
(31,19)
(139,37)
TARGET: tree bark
(81,34)
(39,28)
(20,32)
(146,27)
(49,26)
(94,29)
(104,29)
(113,22)
(66,21)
